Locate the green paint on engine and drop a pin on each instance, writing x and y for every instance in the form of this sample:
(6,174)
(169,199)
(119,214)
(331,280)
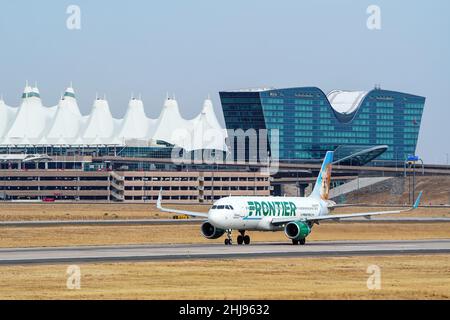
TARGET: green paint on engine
(303,230)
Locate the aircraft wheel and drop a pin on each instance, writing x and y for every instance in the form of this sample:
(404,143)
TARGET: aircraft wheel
(240,239)
(247,240)
(227,242)
(303,242)
(295,242)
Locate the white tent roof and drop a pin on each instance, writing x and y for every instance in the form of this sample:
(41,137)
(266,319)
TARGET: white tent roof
(71,101)
(206,131)
(66,124)
(26,91)
(202,132)
(34,124)
(35,90)
(32,119)
(7,115)
(171,127)
(135,125)
(100,126)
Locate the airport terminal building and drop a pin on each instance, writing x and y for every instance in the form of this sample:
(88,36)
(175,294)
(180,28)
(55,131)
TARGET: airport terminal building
(358,125)
(62,130)
(58,153)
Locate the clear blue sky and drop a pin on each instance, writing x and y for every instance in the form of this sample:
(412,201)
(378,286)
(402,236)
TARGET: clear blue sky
(195,48)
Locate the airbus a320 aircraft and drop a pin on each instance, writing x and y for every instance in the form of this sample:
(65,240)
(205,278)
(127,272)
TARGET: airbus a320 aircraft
(295,215)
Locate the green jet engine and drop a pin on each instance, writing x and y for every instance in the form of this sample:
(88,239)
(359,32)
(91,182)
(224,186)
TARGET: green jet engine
(297,230)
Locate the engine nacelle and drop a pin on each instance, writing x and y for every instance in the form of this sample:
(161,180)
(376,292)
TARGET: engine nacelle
(211,232)
(297,230)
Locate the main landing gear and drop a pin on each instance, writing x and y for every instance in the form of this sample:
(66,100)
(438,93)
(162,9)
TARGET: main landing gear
(242,238)
(297,242)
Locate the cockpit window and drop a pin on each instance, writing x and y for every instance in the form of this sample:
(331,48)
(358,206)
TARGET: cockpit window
(227,207)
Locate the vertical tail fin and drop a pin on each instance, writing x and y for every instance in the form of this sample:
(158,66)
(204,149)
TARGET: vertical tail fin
(322,186)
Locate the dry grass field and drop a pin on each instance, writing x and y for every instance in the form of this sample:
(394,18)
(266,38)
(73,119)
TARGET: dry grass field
(85,211)
(105,211)
(402,277)
(436,191)
(102,235)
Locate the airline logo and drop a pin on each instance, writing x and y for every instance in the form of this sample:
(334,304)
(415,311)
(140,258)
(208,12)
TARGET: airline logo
(271,208)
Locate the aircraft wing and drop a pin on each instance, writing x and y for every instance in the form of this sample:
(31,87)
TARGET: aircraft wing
(367,215)
(188,213)
(334,206)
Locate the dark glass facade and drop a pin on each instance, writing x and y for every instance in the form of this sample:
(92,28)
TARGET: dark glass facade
(385,125)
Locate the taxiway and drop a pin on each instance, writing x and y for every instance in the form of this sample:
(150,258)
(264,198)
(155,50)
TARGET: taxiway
(80,254)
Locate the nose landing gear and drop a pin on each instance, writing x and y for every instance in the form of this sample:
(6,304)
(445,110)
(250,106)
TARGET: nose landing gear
(228,241)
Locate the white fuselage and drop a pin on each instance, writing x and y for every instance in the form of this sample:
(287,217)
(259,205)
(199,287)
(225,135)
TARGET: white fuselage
(257,213)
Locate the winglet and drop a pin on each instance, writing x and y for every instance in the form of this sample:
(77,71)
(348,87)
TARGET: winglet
(158,203)
(416,204)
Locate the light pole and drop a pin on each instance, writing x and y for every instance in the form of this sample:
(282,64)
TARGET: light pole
(414,182)
(411,161)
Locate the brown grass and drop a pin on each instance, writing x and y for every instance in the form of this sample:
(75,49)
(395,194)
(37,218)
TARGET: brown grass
(436,191)
(73,211)
(419,212)
(402,277)
(83,211)
(95,235)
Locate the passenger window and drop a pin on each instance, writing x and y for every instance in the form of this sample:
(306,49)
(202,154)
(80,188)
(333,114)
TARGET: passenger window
(214,207)
(220,207)
(231,208)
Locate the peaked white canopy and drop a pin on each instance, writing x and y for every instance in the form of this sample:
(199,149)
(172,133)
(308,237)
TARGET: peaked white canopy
(68,121)
(31,121)
(33,124)
(7,115)
(136,127)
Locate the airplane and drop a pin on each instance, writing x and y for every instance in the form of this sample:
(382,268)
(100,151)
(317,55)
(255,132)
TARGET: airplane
(295,215)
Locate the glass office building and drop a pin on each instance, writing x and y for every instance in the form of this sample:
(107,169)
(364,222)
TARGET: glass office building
(359,126)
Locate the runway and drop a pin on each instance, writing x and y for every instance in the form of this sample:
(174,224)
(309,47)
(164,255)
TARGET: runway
(73,255)
(144,222)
